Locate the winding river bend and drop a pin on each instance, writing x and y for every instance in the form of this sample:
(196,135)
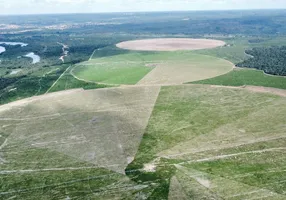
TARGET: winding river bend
(3,49)
(32,55)
(35,57)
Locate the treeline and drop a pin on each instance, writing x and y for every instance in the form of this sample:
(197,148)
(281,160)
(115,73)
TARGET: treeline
(4,82)
(271,60)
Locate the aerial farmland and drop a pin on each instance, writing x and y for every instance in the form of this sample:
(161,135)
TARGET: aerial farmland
(143,116)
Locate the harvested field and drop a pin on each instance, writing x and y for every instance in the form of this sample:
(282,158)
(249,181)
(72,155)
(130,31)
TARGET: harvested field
(102,127)
(77,140)
(170,44)
(194,67)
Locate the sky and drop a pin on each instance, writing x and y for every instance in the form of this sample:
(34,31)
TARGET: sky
(98,6)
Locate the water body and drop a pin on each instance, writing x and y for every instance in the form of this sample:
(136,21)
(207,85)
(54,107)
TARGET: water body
(3,49)
(35,57)
(65,51)
(15,43)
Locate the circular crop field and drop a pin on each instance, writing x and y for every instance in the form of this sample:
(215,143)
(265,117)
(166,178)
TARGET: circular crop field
(160,68)
(170,44)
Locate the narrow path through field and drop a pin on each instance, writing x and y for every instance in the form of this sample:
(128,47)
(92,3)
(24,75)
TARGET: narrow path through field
(233,155)
(58,79)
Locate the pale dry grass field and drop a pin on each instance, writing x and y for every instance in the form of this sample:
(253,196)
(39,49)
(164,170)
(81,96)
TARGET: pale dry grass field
(103,127)
(194,68)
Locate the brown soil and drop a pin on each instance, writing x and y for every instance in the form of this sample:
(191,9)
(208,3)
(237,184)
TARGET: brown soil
(170,44)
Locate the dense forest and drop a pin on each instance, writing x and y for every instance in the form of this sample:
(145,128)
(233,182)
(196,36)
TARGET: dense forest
(271,60)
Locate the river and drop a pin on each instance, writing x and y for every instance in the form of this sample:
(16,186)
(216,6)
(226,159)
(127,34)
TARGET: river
(35,57)
(3,49)
(15,43)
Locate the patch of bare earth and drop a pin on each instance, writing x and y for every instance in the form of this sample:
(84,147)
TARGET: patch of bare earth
(170,44)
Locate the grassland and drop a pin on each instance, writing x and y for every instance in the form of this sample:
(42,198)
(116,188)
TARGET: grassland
(147,68)
(240,77)
(222,142)
(111,72)
(201,142)
(67,82)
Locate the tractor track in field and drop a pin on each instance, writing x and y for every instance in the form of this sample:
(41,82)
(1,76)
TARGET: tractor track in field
(57,80)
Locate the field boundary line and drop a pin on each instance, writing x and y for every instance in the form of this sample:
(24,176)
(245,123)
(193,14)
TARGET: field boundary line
(219,157)
(90,58)
(58,79)
(45,170)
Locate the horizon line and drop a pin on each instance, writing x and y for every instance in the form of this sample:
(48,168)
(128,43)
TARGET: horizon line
(159,11)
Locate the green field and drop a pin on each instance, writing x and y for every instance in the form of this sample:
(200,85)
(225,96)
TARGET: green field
(240,77)
(161,67)
(197,142)
(122,69)
(224,143)
(67,82)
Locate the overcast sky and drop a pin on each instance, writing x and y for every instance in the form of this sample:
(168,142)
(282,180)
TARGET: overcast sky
(88,6)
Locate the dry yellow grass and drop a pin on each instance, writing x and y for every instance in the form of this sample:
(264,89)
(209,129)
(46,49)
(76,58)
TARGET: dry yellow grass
(103,127)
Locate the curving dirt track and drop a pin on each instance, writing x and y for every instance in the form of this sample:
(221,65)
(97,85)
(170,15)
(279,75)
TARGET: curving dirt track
(170,44)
